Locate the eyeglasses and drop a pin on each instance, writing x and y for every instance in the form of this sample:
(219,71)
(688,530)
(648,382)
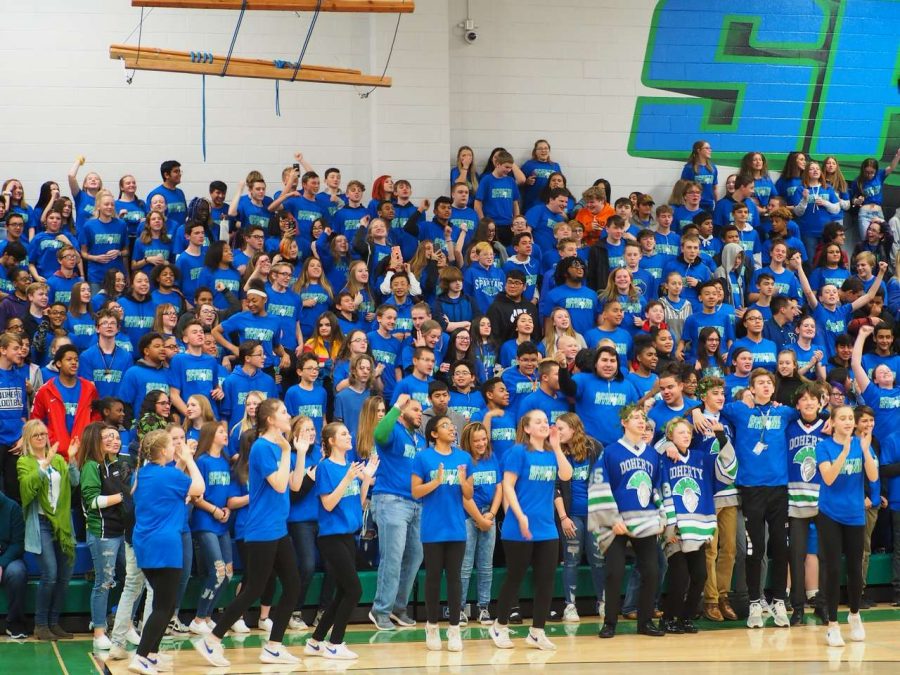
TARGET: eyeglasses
(40,434)
(163,403)
(311,368)
(463,338)
(255,236)
(171,312)
(258,354)
(283,273)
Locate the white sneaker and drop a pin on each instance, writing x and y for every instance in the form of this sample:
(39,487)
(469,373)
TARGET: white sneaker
(500,636)
(454,639)
(338,652)
(199,628)
(265,625)
(779,611)
(833,636)
(432,637)
(601,610)
(857,631)
(141,665)
(570,614)
(277,654)
(755,618)
(118,653)
(162,662)
(133,637)
(211,652)
(176,626)
(240,627)
(766,608)
(102,643)
(484,617)
(297,622)
(314,648)
(537,639)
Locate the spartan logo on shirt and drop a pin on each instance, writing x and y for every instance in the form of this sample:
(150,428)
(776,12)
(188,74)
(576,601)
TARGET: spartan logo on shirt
(352,489)
(451,476)
(852,466)
(640,481)
(501,193)
(806,458)
(542,473)
(71,408)
(484,477)
(689,491)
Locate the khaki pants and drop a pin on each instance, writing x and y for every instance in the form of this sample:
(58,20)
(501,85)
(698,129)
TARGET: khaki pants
(720,555)
(871,519)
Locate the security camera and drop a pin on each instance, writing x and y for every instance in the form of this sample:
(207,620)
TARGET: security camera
(470,30)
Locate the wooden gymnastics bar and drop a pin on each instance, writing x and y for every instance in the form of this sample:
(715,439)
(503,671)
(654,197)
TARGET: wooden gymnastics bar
(167,60)
(371,6)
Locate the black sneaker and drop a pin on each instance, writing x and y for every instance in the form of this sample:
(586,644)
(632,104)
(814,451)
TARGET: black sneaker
(797,616)
(650,629)
(515,616)
(671,626)
(864,602)
(16,634)
(607,630)
(688,626)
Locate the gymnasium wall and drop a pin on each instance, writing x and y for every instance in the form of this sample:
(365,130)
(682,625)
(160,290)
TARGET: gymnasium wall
(621,88)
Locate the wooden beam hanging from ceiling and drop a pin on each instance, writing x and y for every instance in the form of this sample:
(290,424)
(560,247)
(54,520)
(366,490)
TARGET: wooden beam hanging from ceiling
(369,6)
(167,60)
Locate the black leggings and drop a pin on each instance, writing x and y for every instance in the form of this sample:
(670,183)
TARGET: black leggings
(268,593)
(264,557)
(836,538)
(798,540)
(440,556)
(543,557)
(645,551)
(763,506)
(164,582)
(339,553)
(685,578)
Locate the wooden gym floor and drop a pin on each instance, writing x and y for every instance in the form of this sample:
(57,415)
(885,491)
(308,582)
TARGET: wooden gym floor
(718,648)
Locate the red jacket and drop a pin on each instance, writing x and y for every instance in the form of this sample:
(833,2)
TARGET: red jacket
(51,410)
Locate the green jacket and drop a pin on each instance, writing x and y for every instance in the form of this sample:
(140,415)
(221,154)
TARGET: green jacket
(109,479)
(34,484)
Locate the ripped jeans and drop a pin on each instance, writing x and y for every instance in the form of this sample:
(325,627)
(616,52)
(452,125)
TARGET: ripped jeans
(582,544)
(215,556)
(104,552)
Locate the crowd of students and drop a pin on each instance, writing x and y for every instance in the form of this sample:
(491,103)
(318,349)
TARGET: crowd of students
(700,382)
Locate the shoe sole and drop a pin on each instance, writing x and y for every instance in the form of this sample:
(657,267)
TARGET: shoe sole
(400,623)
(197,648)
(372,619)
(279,661)
(536,645)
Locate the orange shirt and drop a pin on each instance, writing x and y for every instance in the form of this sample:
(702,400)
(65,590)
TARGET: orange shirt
(594,225)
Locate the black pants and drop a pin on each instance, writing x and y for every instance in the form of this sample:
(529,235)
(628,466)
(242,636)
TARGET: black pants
(339,553)
(835,539)
(646,558)
(440,556)
(264,557)
(763,506)
(10,482)
(798,538)
(684,583)
(543,557)
(164,581)
(268,593)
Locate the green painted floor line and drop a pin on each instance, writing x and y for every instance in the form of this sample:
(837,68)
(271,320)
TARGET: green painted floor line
(38,657)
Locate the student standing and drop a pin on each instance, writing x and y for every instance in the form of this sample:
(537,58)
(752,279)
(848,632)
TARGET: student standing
(268,544)
(440,478)
(845,463)
(342,487)
(159,497)
(529,533)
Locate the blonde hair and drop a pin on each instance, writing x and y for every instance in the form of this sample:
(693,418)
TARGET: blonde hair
(246,423)
(206,411)
(31,428)
(365,432)
(153,443)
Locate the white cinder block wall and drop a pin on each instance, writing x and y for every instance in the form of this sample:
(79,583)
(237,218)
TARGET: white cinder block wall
(567,70)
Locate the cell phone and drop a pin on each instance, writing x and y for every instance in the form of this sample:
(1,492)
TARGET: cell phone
(297,168)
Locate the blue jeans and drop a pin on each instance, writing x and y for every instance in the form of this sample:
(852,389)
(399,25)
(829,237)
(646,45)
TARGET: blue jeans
(15,581)
(132,588)
(215,556)
(104,553)
(634,583)
(56,570)
(400,548)
(573,550)
(480,552)
(187,560)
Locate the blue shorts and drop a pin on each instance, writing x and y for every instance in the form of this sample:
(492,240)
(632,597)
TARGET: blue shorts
(812,542)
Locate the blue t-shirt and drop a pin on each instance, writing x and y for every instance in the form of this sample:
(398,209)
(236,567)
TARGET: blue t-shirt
(542,221)
(386,351)
(190,267)
(443,516)
(598,402)
(194,374)
(765,352)
(155,247)
(70,396)
(228,277)
(832,323)
(485,477)
(84,208)
(346,220)
(483,285)
(760,442)
(871,189)
(886,404)
(105,370)
(821,276)
(346,517)
(61,288)
(268,509)
(541,172)
(266,329)
(43,248)
(348,405)
(135,212)
(535,472)
(216,472)
(99,238)
(503,432)
(581,303)
(139,380)
(842,501)
(300,401)
(397,456)
(176,205)
(286,306)
(306,508)
(159,500)
(707,178)
(497,196)
(581,473)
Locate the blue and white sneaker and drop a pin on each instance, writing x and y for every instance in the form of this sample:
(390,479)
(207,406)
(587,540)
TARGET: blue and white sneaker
(338,652)
(276,653)
(211,652)
(142,666)
(314,648)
